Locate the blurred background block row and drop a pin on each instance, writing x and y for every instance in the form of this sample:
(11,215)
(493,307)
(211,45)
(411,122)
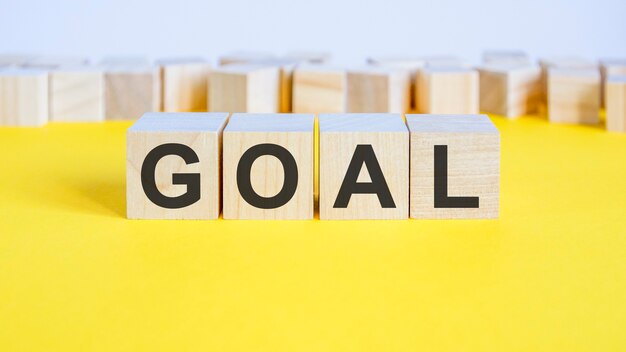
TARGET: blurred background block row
(574,90)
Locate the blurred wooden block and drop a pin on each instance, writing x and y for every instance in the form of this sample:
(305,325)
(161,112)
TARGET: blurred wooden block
(286,68)
(14,59)
(454,167)
(245,88)
(510,91)
(378,89)
(125,61)
(319,89)
(616,104)
(268,166)
(185,83)
(310,57)
(364,167)
(563,62)
(173,166)
(23,97)
(55,62)
(131,91)
(573,96)
(610,67)
(447,91)
(506,57)
(412,64)
(77,94)
(244,57)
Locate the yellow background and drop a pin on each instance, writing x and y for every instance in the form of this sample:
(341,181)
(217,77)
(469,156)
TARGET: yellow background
(549,275)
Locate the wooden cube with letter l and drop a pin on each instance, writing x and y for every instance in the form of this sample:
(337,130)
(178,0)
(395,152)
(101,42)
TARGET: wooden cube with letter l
(268,166)
(173,166)
(454,167)
(364,167)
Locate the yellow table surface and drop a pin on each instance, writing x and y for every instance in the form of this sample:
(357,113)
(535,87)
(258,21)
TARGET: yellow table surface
(549,275)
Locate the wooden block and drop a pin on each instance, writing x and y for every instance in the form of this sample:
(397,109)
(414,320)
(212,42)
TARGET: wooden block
(447,91)
(184,83)
(308,57)
(268,166)
(454,167)
(610,67)
(364,167)
(173,166)
(564,62)
(378,90)
(616,104)
(131,91)
(319,89)
(55,62)
(509,91)
(506,57)
(573,96)
(77,94)
(244,57)
(285,68)
(23,97)
(412,64)
(245,88)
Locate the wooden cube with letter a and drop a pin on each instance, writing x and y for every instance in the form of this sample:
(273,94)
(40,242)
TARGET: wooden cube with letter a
(23,97)
(447,91)
(173,166)
(510,90)
(184,84)
(454,167)
(319,89)
(364,167)
(378,89)
(574,96)
(245,88)
(131,90)
(268,166)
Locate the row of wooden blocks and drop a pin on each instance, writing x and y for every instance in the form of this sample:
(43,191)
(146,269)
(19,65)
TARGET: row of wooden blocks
(567,90)
(261,166)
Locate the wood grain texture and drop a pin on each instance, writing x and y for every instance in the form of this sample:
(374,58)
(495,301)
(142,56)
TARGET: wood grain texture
(319,89)
(131,91)
(473,167)
(378,90)
(340,134)
(293,132)
(610,67)
(185,84)
(77,94)
(447,91)
(559,62)
(23,97)
(616,104)
(573,96)
(245,88)
(201,132)
(509,91)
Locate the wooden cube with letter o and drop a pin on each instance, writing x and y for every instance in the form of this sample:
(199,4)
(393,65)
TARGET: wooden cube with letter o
(173,166)
(268,166)
(364,167)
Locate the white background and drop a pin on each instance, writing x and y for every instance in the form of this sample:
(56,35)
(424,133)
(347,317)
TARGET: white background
(350,30)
